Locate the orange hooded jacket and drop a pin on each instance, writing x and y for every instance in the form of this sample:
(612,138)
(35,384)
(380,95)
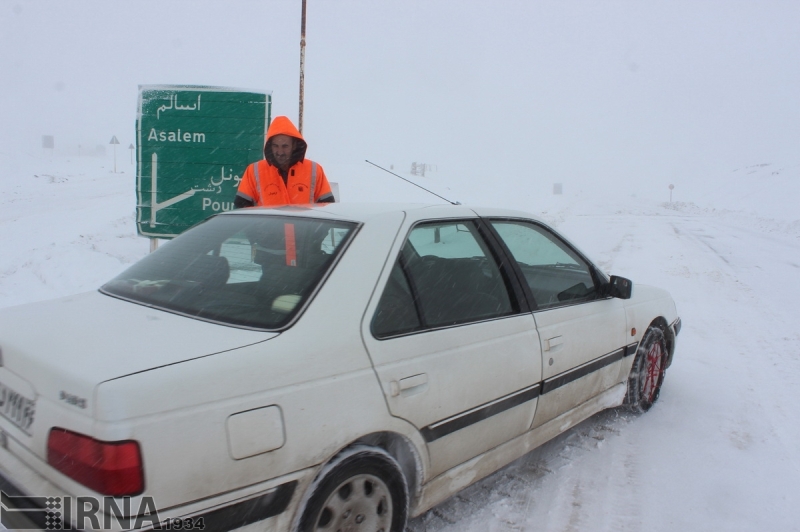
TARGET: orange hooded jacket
(263,183)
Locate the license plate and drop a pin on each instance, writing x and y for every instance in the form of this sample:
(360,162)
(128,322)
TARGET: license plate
(17,408)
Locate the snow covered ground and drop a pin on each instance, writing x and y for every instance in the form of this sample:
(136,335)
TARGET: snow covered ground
(719,451)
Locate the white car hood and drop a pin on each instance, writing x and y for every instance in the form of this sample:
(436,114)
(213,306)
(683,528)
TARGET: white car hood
(77,342)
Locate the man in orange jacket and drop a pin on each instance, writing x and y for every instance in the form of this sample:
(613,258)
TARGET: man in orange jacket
(285,175)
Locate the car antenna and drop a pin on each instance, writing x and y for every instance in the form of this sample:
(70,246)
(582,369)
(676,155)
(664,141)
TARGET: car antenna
(416,185)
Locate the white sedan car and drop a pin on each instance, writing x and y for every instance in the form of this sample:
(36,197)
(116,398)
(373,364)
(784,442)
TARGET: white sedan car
(312,368)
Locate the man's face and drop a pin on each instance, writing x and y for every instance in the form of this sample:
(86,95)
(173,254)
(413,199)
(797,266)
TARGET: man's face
(282,147)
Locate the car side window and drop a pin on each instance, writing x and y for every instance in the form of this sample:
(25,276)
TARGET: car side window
(555,274)
(445,275)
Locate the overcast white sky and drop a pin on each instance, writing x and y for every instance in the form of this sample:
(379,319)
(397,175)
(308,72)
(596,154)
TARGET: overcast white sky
(505,91)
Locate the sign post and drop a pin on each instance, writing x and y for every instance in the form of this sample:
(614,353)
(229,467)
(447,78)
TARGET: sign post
(131,148)
(114,141)
(302,66)
(193,145)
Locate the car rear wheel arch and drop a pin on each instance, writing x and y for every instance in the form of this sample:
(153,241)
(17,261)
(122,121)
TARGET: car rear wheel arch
(406,455)
(374,477)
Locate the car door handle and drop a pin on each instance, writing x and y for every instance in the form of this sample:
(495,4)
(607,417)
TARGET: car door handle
(551,343)
(408,383)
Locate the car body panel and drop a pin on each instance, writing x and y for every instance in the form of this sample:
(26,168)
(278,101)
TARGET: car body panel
(574,336)
(463,368)
(645,303)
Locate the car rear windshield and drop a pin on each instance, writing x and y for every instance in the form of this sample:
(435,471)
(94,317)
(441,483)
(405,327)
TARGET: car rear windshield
(250,271)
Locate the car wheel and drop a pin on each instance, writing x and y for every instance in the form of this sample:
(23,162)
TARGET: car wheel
(362,490)
(647,373)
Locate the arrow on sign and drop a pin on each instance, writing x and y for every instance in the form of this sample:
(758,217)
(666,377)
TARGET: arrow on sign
(154,205)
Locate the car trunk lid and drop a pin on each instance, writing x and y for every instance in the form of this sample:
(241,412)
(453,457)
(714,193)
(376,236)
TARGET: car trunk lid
(62,349)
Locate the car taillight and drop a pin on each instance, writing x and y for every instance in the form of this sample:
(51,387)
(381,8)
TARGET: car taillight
(111,468)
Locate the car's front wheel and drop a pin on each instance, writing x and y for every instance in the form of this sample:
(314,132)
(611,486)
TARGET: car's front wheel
(362,490)
(647,373)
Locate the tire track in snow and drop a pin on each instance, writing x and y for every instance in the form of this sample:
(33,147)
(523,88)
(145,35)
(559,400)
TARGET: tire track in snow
(702,237)
(597,493)
(624,511)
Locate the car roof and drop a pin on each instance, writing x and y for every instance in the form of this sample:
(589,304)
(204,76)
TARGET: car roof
(363,212)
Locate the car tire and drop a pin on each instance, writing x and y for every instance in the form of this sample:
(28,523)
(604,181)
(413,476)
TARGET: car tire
(647,373)
(363,489)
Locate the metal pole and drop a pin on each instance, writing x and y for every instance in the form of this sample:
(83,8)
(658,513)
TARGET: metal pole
(302,65)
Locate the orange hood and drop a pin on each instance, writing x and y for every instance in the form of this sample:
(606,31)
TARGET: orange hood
(281,125)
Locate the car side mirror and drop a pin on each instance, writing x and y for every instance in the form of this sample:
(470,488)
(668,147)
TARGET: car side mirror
(620,287)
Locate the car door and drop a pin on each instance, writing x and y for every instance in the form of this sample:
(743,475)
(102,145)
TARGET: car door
(582,332)
(452,342)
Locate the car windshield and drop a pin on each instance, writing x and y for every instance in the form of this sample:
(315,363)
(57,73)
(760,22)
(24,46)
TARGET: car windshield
(249,271)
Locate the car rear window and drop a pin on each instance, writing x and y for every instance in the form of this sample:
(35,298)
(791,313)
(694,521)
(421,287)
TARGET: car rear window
(249,271)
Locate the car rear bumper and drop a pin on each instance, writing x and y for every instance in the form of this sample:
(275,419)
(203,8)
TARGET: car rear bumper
(18,512)
(30,502)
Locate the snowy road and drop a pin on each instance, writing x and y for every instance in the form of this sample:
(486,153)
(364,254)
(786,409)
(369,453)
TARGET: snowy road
(718,451)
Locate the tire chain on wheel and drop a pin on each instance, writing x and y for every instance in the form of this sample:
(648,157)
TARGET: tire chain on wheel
(633,396)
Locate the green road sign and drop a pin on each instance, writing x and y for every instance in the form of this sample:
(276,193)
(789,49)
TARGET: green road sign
(193,145)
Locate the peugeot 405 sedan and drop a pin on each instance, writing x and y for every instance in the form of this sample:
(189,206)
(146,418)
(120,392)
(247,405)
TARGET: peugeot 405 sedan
(314,368)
